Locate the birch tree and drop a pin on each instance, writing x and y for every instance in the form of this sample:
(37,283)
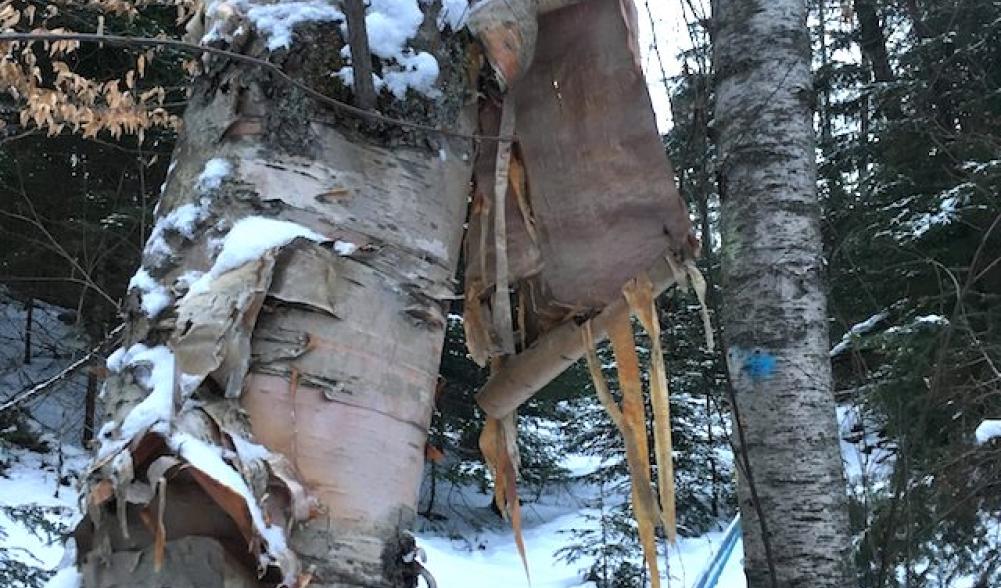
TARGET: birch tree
(266,416)
(775,314)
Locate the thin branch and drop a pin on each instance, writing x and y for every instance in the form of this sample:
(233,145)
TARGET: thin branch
(68,371)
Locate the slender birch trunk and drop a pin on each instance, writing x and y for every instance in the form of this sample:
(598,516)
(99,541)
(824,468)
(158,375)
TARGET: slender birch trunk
(775,314)
(305,368)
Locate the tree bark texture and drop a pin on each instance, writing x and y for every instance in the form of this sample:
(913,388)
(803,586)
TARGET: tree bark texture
(774,313)
(300,381)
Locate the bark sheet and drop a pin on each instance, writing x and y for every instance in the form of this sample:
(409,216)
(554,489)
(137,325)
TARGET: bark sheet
(589,207)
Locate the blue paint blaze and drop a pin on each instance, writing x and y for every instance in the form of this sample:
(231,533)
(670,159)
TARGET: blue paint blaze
(759,365)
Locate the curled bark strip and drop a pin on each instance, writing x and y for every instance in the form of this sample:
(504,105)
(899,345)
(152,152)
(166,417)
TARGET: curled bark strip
(474,324)
(502,295)
(699,285)
(520,188)
(557,349)
(598,378)
(639,293)
(214,326)
(507,29)
(160,532)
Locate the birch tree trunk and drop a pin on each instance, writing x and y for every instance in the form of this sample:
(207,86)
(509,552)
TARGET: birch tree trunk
(266,417)
(775,314)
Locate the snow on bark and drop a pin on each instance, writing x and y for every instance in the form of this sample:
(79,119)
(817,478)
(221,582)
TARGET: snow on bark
(391,24)
(216,170)
(155,372)
(249,239)
(453,14)
(208,458)
(154,295)
(276,21)
(184,220)
(775,313)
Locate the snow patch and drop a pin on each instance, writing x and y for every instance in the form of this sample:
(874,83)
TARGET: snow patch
(453,14)
(66,578)
(185,280)
(418,71)
(278,20)
(157,407)
(249,451)
(183,220)
(215,171)
(344,248)
(248,240)
(43,482)
(154,296)
(950,203)
(390,24)
(159,380)
(989,429)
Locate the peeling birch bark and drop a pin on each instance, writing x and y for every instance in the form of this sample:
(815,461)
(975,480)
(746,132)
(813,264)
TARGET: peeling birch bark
(265,421)
(527,372)
(647,513)
(775,313)
(603,206)
(639,295)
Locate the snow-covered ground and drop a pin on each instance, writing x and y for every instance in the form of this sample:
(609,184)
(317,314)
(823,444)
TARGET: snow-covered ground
(473,543)
(494,562)
(55,343)
(42,485)
(470,546)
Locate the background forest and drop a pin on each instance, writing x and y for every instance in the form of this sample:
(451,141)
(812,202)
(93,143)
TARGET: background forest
(908,116)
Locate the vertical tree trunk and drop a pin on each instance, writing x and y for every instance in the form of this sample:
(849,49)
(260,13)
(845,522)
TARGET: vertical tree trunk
(825,60)
(872,41)
(775,314)
(299,374)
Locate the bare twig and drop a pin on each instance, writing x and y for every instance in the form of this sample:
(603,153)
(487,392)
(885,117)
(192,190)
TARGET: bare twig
(118,40)
(361,59)
(68,371)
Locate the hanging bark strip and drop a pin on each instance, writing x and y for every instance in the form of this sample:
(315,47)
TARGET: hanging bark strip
(639,293)
(699,285)
(502,295)
(634,418)
(633,411)
(498,444)
(555,350)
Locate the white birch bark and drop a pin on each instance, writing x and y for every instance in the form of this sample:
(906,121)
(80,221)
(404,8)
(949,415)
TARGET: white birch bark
(326,356)
(775,314)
